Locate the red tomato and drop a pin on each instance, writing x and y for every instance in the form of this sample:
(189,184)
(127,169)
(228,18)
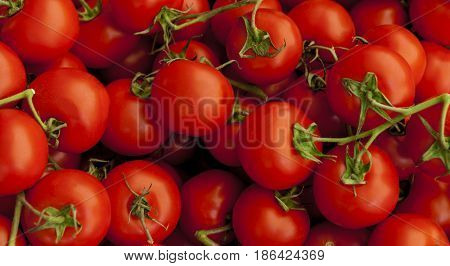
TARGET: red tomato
(222,24)
(137,15)
(408,230)
(374,200)
(194,52)
(429,17)
(132,127)
(12,72)
(66,61)
(62,160)
(367,14)
(404,43)
(61,189)
(266,148)
(208,200)
(178,149)
(197,29)
(223,144)
(429,197)
(395,81)
(259,220)
(43,30)
(196,104)
(163,198)
(101,44)
(284,35)
(5,229)
(276,90)
(24,151)
(436,80)
(328,234)
(82,103)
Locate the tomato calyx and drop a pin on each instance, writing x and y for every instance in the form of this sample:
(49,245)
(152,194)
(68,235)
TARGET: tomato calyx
(312,51)
(53,130)
(288,200)
(141,85)
(99,168)
(238,115)
(355,168)
(304,143)
(316,82)
(203,235)
(88,13)
(13,6)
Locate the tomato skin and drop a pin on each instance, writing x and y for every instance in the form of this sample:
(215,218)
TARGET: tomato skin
(374,200)
(7,204)
(408,230)
(164,198)
(367,14)
(24,151)
(68,60)
(433,15)
(404,43)
(208,199)
(82,103)
(5,229)
(198,29)
(195,52)
(258,220)
(59,189)
(223,23)
(179,149)
(436,80)
(101,43)
(13,75)
(354,64)
(137,15)
(266,150)
(223,145)
(132,129)
(328,234)
(196,104)
(267,70)
(47,26)
(62,159)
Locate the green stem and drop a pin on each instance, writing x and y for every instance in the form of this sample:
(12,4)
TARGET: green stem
(16,219)
(32,209)
(202,235)
(442,140)
(255,10)
(255,90)
(5,3)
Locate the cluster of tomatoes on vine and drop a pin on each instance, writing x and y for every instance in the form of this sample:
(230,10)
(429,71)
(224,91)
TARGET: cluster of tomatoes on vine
(252,122)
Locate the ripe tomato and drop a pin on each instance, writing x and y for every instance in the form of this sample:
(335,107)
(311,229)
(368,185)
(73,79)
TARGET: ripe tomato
(196,104)
(82,103)
(266,148)
(132,127)
(395,81)
(12,72)
(428,17)
(404,43)
(194,52)
(64,160)
(356,206)
(137,15)
(156,189)
(43,30)
(5,229)
(197,29)
(178,149)
(101,44)
(68,60)
(429,197)
(436,80)
(24,151)
(276,90)
(222,24)
(259,220)
(208,200)
(408,230)
(61,189)
(328,234)
(284,35)
(367,14)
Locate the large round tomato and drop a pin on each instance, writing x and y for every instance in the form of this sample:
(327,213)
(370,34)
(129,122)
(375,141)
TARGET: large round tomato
(77,99)
(68,60)
(436,80)
(356,206)
(12,72)
(137,15)
(395,81)
(367,14)
(222,23)
(259,220)
(43,30)
(428,17)
(404,43)
(328,234)
(5,229)
(286,53)
(24,151)
(62,189)
(159,198)
(197,29)
(195,104)
(208,200)
(266,146)
(132,127)
(408,230)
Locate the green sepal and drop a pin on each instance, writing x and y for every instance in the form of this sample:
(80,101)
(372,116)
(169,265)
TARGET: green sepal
(89,13)
(304,144)
(141,85)
(53,131)
(100,168)
(238,115)
(356,169)
(288,200)
(13,7)
(436,150)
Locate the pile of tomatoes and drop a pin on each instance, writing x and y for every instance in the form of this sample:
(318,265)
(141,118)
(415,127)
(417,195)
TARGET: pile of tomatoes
(227,122)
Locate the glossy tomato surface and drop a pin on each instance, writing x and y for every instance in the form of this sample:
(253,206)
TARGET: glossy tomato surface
(428,17)
(12,72)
